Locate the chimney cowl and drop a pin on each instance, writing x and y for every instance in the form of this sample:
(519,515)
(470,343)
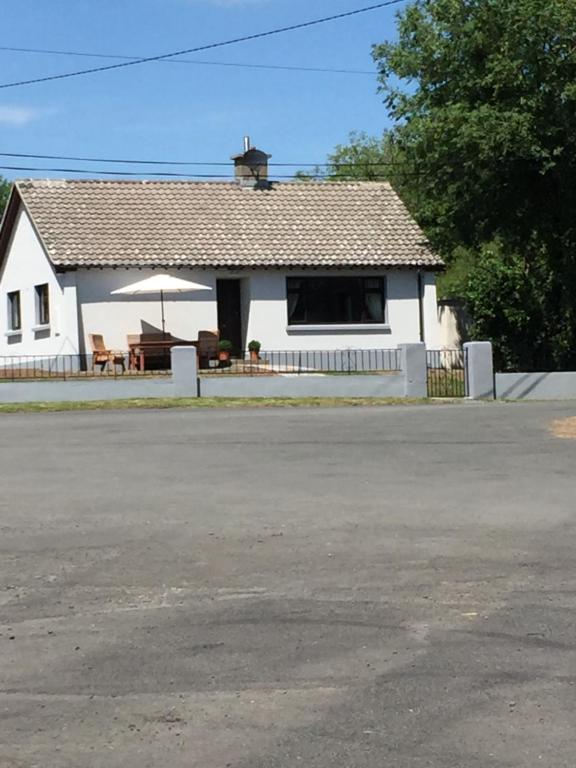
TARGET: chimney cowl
(251,167)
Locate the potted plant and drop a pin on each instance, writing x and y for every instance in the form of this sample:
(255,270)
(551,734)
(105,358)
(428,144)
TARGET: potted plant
(254,349)
(224,350)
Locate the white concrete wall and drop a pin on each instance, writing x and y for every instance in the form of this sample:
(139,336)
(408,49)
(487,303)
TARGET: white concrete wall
(26,266)
(536,386)
(453,323)
(391,385)
(117,316)
(268,316)
(265,291)
(432,328)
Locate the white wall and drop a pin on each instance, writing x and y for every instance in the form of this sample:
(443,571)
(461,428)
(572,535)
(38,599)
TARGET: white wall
(265,290)
(453,323)
(117,316)
(268,316)
(536,386)
(432,328)
(26,266)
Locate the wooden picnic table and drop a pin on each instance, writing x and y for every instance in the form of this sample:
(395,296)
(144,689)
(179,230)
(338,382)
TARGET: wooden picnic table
(152,347)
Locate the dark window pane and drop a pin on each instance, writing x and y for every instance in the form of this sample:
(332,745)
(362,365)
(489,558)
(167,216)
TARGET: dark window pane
(374,306)
(42,305)
(14,316)
(296,308)
(338,300)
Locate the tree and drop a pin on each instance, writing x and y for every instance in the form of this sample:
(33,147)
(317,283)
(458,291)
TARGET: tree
(364,157)
(507,304)
(5,187)
(487,127)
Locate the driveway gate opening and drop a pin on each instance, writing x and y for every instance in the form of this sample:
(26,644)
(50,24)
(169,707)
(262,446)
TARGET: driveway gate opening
(446,372)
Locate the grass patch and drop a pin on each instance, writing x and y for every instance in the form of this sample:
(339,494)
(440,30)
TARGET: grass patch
(210,402)
(446,383)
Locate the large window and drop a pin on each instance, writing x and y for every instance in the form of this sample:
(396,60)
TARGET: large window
(336,300)
(42,305)
(14,314)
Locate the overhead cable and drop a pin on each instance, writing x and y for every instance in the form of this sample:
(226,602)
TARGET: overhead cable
(198,49)
(125,161)
(286,67)
(140,174)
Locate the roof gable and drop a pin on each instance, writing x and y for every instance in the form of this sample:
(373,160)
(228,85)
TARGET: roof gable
(213,224)
(7,222)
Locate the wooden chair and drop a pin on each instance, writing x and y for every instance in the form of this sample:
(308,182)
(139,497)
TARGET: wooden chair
(102,356)
(207,347)
(133,356)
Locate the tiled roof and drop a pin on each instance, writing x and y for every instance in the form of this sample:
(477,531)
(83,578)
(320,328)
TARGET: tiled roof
(174,223)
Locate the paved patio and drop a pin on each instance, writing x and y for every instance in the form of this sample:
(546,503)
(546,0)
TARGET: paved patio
(267,589)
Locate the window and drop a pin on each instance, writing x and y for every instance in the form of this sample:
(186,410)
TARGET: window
(336,300)
(14,315)
(42,305)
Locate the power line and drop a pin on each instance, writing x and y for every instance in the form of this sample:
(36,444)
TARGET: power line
(233,41)
(286,67)
(114,173)
(183,175)
(122,161)
(110,160)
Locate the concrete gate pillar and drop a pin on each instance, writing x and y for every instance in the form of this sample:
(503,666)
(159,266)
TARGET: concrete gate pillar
(479,370)
(414,369)
(184,371)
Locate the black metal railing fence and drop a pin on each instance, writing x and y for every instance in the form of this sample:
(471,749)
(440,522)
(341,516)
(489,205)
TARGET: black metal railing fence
(77,366)
(300,362)
(296,362)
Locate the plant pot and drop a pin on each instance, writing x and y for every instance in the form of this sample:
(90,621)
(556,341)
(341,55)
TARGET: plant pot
(224,356)
(254,356)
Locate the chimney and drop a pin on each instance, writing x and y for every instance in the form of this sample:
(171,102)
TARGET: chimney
(251,167)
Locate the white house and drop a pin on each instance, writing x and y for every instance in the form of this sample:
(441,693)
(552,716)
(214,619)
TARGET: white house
(296,265)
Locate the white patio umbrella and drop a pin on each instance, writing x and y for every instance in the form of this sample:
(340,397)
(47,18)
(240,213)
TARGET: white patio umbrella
(162,283)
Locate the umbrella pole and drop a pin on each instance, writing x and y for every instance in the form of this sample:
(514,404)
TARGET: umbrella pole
(163,319)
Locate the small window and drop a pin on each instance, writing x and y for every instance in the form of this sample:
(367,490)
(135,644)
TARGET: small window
(42,305)
(336,300)
(14,314)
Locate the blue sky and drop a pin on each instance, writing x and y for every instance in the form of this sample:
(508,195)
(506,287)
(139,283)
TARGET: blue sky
(187,112)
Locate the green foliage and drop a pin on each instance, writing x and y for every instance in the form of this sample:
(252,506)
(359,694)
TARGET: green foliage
(453,283)
(486,127)
(490,124)
(312,175)
(224,346)
(364,157)
(507,306)
(5,187)
(254,346)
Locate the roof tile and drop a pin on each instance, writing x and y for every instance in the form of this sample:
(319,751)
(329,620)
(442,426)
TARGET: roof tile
(173,223)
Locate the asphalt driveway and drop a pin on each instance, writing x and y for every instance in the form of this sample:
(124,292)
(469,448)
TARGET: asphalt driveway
(276,588)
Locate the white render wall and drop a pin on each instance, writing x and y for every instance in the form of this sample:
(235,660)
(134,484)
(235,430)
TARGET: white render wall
(26,266)
(115,317)
(432,325)
(268,314)
(264,312)
(263,304)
